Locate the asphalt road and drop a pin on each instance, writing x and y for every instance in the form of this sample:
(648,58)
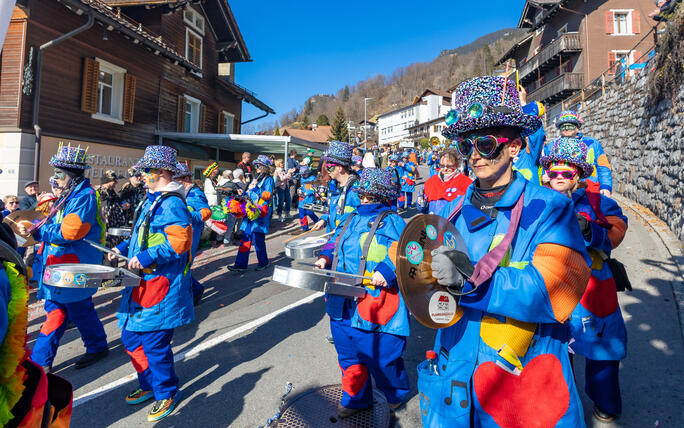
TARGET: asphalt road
(252,335)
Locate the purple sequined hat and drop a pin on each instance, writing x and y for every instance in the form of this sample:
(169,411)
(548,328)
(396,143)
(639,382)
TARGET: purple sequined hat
(339,153)
(263,160)
(478,105)
(379,182)
(70,157)
(182,171)
(569,150)
(158,157)
(357,160)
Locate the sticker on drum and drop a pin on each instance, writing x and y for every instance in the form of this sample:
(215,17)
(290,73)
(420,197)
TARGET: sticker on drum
(442,307)
(414,252)
(450,240)
(431,232)
(56,276)
(47,275)
(67,278)
(80,279)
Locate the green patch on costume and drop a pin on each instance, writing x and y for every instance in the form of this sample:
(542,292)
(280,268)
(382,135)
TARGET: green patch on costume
(506,261)
(525,173)
(376,252)
(153,239)
(191,209)
(348,209)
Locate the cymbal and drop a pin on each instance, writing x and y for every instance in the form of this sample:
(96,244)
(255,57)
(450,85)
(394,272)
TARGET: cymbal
(430,303)
(27,218)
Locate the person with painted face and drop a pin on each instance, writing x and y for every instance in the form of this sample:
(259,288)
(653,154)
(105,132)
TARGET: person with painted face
(408,179)
(503,361)
(199,213)
(255,225)
(596,324)
(159,246)
(307,195)
(446,186)
(370,332)
(342,200)
(74,217)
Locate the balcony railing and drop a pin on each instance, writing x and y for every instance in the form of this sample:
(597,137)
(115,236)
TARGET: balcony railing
(548,56)
(559,88)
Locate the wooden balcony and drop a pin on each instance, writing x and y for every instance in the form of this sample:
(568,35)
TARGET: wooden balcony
(558,89)
(549,56)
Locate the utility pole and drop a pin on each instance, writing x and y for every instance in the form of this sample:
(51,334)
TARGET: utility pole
(365,123)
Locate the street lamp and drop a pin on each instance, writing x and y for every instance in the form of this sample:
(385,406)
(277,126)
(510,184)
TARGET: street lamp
(365,123)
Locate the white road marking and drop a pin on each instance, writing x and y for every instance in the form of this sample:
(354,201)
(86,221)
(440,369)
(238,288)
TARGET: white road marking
(197,349)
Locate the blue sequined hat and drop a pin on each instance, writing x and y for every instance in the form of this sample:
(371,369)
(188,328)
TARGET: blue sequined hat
(394,157)
(569,150)
(182,170)
(70,157)
(405,155)
(263,160)
(483,102)
(357,160)
(378,182)
(304,170)
(339,153)
(158,157)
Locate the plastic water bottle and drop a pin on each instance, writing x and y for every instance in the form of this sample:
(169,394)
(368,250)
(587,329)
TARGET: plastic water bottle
(432,362)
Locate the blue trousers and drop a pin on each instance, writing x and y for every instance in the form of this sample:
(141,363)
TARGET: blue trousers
(83,314)
(151,355)
(361,353)
(259,241)
(303,220)
(283,198)
(197,288)
(408,199)
(602,385)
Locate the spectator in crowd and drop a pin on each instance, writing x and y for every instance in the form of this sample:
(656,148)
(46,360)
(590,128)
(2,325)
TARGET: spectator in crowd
(226,177)
(29,201)
(239,180)
(113,213)
(11,204)
(308,159)
(131,194)
(384,157)
(282,184)
(246,166)
(210,173)
(368,160)
(292,166)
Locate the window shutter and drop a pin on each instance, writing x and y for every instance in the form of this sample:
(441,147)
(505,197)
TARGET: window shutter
(236,125)
(203,118)
(91,76)
(636,23)
(609,22)
(129,97)
(221,128)
(180,114)
(611,61)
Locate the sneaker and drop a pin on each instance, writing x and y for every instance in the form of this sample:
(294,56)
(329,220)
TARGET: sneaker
(344,412)
(236,269)
(163,408)
(281,218)
(138,396)
(602,416)
(260,267)
(90,359)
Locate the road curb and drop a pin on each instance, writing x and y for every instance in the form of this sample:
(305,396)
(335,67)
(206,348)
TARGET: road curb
(672,244)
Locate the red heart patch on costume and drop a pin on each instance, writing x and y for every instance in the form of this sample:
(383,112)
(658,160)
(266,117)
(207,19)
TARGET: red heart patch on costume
(600,297)
(151,292)
(381,309)
(538,397)
(65,258)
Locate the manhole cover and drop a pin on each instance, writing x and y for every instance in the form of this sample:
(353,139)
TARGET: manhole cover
(318,409)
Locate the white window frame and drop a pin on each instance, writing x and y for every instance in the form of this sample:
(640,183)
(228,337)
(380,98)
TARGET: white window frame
(226,115)
(562,30)
(194,18)
(539,30)
(627,12)
(118,74)
(189,30)
(196,106)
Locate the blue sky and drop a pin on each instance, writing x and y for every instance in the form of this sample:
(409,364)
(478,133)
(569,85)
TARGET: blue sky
(301,48)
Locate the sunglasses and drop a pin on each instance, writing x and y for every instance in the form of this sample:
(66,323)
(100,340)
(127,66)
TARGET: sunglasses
(568,127)
(568,175)
(487,146)
(13,203)
(330,168)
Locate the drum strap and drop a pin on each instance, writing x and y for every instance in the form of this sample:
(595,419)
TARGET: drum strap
(353,178)
(148,216)
(484,269)
(338,242)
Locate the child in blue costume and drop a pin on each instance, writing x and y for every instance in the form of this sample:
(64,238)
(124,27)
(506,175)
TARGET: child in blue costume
(408,179)
(74,216)
(397,172)
(199,213)
(433,161)
(254,229)
(338,159)
(596,324)
(369,333)
(503,361)
(307,195)
(159,246)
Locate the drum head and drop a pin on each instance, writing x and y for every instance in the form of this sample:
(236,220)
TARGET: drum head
(306,243)
(428,301)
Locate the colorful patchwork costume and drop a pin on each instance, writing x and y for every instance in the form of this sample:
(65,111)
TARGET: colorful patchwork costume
(369,333)
(341,200)
(438,193)
(433,162)
(408,180)
(527,162)
(505,361)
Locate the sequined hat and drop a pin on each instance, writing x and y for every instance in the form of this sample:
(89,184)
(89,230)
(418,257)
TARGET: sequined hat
(158,157)
(304,170)
(357,160)
(394,157)
(569,150)
(209,169)
(568,116)
(263,160)
(405,155)
(378,182)
(488,102)
(70,157)
(182,170)
(339,153)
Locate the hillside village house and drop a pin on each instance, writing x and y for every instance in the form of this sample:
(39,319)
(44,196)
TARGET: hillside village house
(413,121)
(117,76)
(571,43)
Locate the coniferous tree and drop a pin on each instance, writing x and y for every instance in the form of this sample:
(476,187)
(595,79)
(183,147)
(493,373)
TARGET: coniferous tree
(339,126)
(276,131)
(323,120)
(305,122)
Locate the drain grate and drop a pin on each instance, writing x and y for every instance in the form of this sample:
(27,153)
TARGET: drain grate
(318,409)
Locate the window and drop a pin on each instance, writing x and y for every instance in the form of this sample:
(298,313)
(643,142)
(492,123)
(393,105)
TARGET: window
(110,88)
(539,31)
(194,19)
(192,114)
(562,30)
(228,122)
(193,47)
(620,23)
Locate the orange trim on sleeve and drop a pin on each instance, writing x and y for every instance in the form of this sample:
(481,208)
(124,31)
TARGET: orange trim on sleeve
(179,237)
(603,161)
(616,233)
(205,213)
(73,227)
(565,275)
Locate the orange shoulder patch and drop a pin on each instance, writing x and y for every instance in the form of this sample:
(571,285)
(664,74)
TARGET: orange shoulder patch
(205,213)
(73,227)
(565,275)
(603,161)
(392,252)
(179,237)
(616,233)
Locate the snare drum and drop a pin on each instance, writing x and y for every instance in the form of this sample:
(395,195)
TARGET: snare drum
(119,231)
(316,281)
(81,275)
(304,248)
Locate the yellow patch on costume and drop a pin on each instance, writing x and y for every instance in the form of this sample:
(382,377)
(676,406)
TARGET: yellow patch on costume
(153,239)
(506,260)
(376,252)
(596,260)
(348,209)
(516,334)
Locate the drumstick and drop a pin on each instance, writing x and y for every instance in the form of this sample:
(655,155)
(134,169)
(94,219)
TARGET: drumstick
(333,273)
(107,250)
(297,236)
(313,238)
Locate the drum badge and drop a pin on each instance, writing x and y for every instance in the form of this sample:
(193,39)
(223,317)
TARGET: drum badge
(450,240)
(67,278)
(80,279)
(56,276)
(431,232)
(47,275)
(414,252)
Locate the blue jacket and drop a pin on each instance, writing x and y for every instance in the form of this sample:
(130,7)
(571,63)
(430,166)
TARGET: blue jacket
(512,324)
(527,162)
(381,309)
(596,323)
(603,173)
(307,190)
(335,214)
(255,194)
(433,163)
(163,300)
(198,206)
(408,177)
(63,236)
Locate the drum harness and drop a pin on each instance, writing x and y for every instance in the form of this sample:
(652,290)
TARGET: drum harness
(353,178)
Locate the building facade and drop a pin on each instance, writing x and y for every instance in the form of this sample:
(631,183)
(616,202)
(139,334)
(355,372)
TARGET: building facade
(403,123)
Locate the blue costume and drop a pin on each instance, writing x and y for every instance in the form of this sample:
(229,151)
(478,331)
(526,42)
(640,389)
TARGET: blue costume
(603,174)
(527,162)
(341,203)
(199,213)
(307,195)
(433,162)
(254,231)
(408,181)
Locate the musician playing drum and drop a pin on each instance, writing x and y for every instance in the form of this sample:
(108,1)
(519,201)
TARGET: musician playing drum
(75,216)
(160,244)
(505,361)
(369,334)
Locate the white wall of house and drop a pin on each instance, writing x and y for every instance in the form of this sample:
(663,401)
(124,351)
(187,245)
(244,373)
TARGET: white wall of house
(393,126)
(17,162)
